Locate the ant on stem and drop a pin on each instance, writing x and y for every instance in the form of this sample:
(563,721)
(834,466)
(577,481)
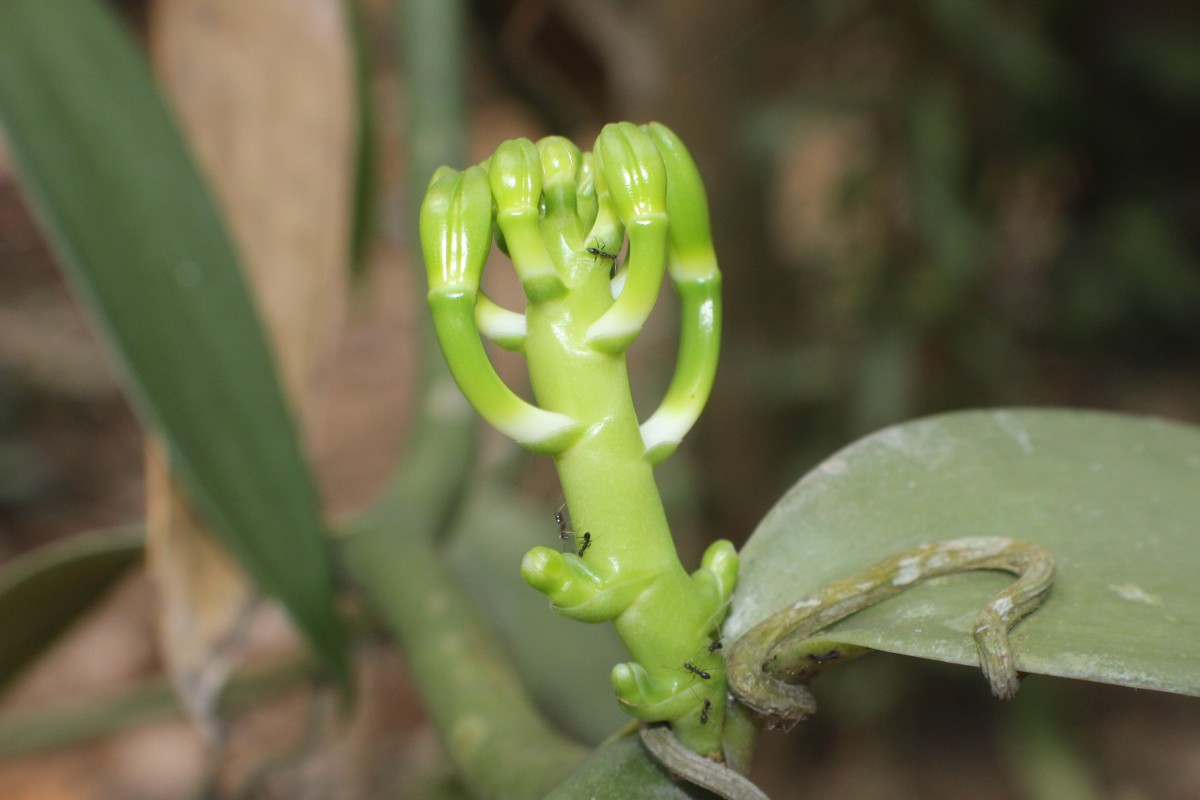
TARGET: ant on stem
(579,545)
(564,534)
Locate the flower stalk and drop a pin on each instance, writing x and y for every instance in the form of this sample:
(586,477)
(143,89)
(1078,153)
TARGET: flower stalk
(562,216)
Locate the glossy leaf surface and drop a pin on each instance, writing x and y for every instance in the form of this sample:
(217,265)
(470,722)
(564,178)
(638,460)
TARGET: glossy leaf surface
(1115,498)
(622,769)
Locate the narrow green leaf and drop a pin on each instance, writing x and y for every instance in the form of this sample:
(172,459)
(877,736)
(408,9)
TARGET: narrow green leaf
(44,591)
(30,731)
(366,159)
(110,177)
(1115,498)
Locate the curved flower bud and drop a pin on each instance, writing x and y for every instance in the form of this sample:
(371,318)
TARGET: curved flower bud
(560,225)
(455,239)
(515,174)
(717,578)
(692,256)
(649,697)
(438,174)
(692,263)
(576,590)
(456,230)
(605,231)
(695,369)
(586,201)
(561,161)
(631,170)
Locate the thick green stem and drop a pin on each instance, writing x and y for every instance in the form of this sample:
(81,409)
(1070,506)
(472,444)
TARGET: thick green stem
(500,744)
(610,488)
(502,747)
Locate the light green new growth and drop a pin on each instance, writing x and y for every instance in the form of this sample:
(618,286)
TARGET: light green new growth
(562,216)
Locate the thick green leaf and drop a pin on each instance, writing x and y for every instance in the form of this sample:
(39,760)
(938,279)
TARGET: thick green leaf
(110,177)
(623,769)
(1116,499)
(44,591)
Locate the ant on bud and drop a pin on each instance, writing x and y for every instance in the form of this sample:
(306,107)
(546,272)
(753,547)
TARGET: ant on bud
(596,252)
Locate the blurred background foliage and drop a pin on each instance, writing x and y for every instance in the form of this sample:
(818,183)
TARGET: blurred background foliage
(920,205)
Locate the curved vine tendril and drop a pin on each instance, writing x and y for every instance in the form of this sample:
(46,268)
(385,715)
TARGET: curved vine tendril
(769,666)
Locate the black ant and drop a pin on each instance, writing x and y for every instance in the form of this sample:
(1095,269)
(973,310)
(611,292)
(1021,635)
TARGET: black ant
(581,544)
(563,533)
(704,711)
(715,646)
(692,668)
(598,253)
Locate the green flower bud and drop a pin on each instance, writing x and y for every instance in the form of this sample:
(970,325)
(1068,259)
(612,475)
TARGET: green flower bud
(456,226)
(650,698)
(586,201)
(456,230)
(515,173)
(632,170)
(438,174)
(633,181)
(687,206)
(561,162)
(693,267)
(516,182)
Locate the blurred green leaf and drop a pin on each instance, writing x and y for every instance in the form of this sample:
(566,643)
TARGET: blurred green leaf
(1115,498)
(563,664)
(939,148)
(622,769)
(110,177)
(57,725)
(44,591)
(1042,740)
(366,156)
(1160,271)
(1163,58)
(1012,51)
